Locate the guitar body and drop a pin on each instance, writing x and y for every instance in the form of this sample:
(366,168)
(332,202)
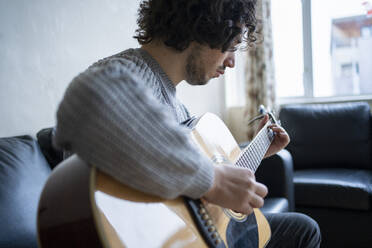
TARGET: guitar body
(83,207)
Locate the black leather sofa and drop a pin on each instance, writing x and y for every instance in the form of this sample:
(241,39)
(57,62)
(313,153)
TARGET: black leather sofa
(331,151)
(25,164)
(23,172)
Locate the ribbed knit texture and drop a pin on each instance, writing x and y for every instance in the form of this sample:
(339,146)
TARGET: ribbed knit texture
(122,116)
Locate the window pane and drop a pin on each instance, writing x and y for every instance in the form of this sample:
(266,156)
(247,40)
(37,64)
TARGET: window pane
(287,44)
(342,48)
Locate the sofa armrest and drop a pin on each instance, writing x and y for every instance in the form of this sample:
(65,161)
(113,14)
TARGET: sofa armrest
(52,155)
(276,172)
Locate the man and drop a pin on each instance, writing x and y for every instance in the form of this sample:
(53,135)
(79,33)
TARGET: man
(122,114)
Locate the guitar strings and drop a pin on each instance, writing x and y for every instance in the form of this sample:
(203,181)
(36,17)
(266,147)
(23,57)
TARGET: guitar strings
(252,156)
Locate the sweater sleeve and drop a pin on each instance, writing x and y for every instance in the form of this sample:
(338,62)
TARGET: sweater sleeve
(112,121)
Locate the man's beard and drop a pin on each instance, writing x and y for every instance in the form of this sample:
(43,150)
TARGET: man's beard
(195,71)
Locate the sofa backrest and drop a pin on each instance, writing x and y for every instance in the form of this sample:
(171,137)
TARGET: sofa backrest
(329,135)
(23,172)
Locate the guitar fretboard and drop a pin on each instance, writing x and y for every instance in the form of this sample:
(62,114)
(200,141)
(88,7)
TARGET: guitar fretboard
(253,154)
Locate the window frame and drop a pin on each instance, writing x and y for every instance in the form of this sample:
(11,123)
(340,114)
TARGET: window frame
(308,80)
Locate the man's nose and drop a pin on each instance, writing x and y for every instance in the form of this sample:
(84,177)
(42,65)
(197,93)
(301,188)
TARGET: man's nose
(230,60)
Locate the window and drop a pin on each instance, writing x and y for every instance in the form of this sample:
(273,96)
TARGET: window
(286,21)
(322,48)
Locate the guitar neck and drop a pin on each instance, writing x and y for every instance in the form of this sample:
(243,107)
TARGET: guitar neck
(253,154)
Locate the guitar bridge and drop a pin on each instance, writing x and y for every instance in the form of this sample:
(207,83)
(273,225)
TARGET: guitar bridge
(204,223)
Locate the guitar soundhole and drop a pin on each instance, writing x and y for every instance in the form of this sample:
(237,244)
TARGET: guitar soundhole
(235,215)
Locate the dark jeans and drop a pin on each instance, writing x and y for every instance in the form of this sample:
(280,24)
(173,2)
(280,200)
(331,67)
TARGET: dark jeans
(288,230)
(293,230)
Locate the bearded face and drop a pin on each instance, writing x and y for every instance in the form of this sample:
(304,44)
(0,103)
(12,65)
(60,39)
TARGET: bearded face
(203,64)
(195,70)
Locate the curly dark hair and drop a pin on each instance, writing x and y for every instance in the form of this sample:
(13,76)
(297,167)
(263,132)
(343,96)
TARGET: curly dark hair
(209,22)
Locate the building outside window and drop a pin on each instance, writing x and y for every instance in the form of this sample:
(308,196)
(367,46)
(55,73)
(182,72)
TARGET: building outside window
(351,60)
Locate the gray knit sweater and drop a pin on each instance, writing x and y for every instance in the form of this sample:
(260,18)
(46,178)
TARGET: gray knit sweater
(122,116)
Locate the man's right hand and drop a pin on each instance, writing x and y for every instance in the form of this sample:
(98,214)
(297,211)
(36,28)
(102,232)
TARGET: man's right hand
(236,188)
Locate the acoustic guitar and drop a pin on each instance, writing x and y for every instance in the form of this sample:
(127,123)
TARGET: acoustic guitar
(83,207)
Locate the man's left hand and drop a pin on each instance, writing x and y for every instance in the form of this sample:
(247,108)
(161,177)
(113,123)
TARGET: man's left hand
(281,138)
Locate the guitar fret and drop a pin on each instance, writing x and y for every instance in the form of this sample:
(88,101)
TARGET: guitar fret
(240,163)
(250,161)
(256,155)
(247,161)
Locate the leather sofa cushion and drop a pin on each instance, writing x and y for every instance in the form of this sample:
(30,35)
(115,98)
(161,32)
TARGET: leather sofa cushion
(329,135)
(23,172)
(338,188)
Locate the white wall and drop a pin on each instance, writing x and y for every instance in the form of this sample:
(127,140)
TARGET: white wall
(202,99)
(45,43)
